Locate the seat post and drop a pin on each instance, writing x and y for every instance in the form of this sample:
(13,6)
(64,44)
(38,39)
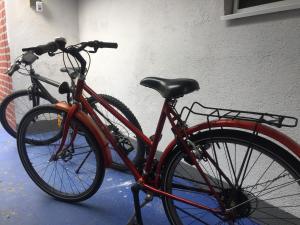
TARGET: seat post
(156,138)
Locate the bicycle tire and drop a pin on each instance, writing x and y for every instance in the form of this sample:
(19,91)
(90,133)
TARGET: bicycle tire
(137,156)
(5,105)
(71,169)
(267,202)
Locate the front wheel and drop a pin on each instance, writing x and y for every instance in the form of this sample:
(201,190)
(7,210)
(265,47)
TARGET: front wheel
(75,174)
(259,182)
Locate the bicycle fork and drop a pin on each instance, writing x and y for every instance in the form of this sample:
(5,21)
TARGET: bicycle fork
(66,127)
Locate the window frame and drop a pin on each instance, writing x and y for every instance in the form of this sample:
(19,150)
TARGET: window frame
(232,11)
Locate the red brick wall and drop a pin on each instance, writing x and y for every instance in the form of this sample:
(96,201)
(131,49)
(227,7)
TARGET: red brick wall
(5,80)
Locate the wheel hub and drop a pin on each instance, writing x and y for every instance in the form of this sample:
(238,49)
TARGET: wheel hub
(240,199)
(66,155)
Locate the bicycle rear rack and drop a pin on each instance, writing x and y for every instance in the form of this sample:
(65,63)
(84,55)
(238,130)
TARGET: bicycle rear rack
(257,117)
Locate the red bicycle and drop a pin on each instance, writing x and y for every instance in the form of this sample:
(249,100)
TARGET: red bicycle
(234,169)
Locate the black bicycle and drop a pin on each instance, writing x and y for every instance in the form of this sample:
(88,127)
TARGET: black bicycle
(17,104)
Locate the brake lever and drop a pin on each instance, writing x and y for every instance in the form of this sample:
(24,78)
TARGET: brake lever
(93,51)
(54,53)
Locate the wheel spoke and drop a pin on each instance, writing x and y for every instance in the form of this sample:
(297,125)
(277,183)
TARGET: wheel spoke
(196,182)
(263,174)
(191,215)
(244,167)
(230,163)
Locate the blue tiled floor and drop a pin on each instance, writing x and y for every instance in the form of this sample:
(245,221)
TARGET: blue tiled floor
(23,203)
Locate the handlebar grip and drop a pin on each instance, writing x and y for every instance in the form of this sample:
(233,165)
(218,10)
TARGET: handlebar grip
(42,49)
(108,45)
(15,67)
(28,49)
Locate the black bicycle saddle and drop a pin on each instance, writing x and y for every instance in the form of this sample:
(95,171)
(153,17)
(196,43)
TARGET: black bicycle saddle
(171,88)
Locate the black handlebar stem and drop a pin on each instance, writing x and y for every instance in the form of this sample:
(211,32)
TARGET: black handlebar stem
(75,53)
(61,42)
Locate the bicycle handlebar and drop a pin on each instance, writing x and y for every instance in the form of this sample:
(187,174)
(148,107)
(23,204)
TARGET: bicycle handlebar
(15,67)
(59,44)
(42,49)
(74,50)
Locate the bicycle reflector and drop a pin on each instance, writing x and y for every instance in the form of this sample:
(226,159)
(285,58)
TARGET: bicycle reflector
(59,121)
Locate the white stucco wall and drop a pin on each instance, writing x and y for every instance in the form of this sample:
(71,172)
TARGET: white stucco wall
(250,64)
(28,28)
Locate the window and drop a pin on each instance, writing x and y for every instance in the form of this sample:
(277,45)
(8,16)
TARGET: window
(241,4)
(244,8)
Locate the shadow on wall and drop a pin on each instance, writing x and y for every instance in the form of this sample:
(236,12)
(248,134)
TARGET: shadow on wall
(257,204)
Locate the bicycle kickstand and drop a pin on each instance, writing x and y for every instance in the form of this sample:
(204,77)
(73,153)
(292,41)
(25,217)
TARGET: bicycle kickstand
(136,219)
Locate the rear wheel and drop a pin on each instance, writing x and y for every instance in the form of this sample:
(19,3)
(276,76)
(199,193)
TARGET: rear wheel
(259,184)
(75,174)
(133,147)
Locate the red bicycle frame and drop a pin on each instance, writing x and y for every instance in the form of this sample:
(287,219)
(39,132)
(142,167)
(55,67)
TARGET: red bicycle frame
(167,112)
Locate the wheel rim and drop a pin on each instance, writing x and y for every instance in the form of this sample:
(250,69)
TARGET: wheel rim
(269,194)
